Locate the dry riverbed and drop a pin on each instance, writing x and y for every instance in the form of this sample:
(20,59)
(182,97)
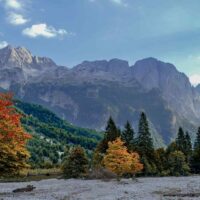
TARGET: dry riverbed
(176,188)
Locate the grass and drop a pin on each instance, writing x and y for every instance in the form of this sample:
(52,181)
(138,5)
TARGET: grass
(34,175)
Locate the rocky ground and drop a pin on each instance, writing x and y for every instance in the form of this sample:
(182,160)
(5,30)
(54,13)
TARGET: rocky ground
(176,188)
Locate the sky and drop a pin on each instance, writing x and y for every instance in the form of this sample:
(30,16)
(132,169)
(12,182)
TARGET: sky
(71,31)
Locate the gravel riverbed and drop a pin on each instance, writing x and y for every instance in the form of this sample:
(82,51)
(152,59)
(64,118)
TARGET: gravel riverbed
(169,188)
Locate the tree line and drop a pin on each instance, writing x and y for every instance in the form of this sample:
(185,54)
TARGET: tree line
(180,158)
(122,152)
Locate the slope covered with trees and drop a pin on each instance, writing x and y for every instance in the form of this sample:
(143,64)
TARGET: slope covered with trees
(52,135)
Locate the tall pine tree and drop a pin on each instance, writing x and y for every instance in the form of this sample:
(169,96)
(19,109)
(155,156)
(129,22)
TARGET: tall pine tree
(197,140)
(188,146)
(145,146)
(111,133)
(144,141)
(180,140)
(128,136)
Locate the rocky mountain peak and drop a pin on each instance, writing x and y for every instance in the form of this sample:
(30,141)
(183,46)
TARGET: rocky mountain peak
(20,57)
(15,57)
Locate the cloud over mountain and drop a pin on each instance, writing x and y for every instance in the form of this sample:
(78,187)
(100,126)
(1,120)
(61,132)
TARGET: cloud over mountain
(43,30)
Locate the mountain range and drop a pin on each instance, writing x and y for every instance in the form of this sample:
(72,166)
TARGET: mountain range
(87,94)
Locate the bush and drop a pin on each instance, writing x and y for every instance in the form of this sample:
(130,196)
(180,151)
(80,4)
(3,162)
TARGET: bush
(76,164)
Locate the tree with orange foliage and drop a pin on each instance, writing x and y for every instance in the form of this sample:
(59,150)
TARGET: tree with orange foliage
(120,161)
(13,139)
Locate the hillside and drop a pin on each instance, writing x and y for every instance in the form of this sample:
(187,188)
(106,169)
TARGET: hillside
(52,135)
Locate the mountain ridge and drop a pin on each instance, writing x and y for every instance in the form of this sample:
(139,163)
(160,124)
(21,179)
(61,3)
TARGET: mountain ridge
(90,92)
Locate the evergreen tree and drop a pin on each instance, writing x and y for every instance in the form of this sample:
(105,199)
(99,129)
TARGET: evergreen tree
(111,133)
(195,161)
(76,164)
(145,146)
(144,141)
(188,146)
(161,161)
(181,141)
(197,140)
(177,164)
(128,136)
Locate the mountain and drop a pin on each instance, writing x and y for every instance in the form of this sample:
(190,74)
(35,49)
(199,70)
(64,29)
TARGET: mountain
(87,94)
(52,135)
(17,65)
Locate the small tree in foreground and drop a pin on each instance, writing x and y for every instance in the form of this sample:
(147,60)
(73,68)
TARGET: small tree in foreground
(76,164)
(177,164)
(119,160)
(13,139)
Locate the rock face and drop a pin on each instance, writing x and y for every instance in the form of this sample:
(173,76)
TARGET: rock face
(17,65)
(90,92)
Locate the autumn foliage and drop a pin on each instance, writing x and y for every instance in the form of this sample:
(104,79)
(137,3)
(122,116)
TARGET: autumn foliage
(13,139)
(119,160)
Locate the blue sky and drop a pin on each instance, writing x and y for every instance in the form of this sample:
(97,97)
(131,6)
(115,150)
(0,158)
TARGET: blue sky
(70,31)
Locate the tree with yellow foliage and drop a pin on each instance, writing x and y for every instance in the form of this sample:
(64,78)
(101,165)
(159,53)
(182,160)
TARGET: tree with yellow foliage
(13,138)
(120,161)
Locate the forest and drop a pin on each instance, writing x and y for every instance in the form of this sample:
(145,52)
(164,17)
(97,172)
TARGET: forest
(32,137)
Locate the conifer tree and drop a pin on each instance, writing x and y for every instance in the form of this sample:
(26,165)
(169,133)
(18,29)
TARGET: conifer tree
(111,133)
(145,146)
(197,140)
(76,164)
(188,146)
(128,136)
(181,141)
(177,164)
(144,141)
(195,161)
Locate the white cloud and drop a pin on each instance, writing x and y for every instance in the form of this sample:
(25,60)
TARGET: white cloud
(43,30)
(16,19)
(15,11)
(195,79)
(3,44)
(13,4)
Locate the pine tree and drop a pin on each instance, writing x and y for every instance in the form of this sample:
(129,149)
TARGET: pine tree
(181,141)
(119,160)
(188,146)
(177,164)
(128,136)
(195,161)
(144,141)
(111,133)
(197,140)
(76,164)
(145,146)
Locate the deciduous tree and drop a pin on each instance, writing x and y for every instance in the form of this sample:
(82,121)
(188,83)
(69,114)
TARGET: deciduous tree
(13,139)
(119,160)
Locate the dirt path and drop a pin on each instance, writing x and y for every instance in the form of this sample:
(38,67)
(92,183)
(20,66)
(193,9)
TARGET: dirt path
(169,188)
